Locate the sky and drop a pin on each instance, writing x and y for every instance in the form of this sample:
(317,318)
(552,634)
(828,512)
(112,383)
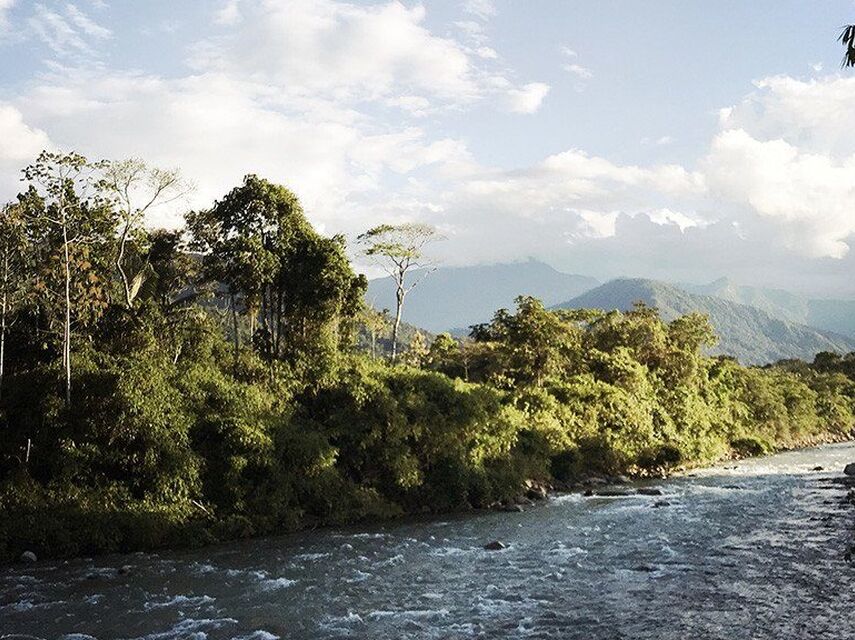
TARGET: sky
(686,140)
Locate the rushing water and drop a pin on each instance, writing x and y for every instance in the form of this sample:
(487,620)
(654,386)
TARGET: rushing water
(746,551)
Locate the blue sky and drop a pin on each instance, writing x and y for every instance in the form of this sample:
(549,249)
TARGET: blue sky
(672,139)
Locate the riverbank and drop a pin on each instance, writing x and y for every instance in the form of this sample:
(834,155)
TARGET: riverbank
(202,533)
(742,549)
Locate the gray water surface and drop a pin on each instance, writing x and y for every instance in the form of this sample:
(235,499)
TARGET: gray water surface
(753,550)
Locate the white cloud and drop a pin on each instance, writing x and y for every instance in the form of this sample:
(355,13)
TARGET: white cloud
(528,98)
(578,70)
(229,13)
(807,195)
(71,34)
(349,53)
(345,103)
(343,51)
(21,144)
(5,8)
(482,9)
(815,115)
(581,72)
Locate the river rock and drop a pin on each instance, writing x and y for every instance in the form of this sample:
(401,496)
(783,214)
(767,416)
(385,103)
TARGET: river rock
(513,508)
(661,503)
(614,493)
(536,492)
(496,545)
(29,556)
(619,480)
(818,468)
(595,481)
(849,469)
(647,568)
(650,491)
(124,570)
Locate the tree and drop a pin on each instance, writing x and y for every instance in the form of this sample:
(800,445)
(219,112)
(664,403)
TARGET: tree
(847,38)
(375,323)
(398,249)
(13,255)
(417,351)
(136,188)
(64,206)
(533,344)
(259,245)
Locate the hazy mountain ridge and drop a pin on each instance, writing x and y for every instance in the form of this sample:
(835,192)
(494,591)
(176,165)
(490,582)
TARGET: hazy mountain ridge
(827,314)
(751,334)
(453,298)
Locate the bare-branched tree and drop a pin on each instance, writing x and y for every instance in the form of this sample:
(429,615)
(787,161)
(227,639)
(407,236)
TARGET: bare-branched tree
(398,249)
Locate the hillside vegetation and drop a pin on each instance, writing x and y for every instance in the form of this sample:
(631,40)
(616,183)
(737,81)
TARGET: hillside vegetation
(747,333)
(837,316)
(155,418)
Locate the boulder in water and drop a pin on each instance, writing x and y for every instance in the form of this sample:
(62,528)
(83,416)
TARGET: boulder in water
(536,491)
(496,545)
(650,491)
(818,468)
(614,493)
(849,469)
(661,503)
(29,556)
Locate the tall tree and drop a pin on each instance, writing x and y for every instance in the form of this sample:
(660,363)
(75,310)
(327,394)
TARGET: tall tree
(13,256)
(136,188)
(399,249)
(67,212)
(260,247)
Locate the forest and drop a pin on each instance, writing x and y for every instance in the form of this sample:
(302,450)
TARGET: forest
(164,388)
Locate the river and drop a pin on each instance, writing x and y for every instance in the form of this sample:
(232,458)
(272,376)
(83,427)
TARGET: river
(747,550)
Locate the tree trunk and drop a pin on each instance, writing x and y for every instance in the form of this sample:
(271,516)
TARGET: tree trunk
(235,328)
(119,258)
(3,332)
(399,307)
(66,342)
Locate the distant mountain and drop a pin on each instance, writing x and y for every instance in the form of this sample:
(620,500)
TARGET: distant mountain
(831,315)
(749,333)
(453,298)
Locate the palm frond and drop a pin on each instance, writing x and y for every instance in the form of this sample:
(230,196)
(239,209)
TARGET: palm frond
(847,38)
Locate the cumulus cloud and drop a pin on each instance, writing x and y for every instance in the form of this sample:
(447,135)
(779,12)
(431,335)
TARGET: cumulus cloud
(21,144)
(808,195)
(528,98)
(349,53)
(346,104)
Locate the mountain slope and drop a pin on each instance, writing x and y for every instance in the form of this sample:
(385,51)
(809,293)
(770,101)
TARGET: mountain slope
(748,333)
(831,315)
(454,298)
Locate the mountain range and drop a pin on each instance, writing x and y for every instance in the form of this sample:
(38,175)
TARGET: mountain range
(749,333)
(756,325)
(451,299)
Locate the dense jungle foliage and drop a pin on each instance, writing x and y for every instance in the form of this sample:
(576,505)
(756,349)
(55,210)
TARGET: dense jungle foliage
(164,388)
